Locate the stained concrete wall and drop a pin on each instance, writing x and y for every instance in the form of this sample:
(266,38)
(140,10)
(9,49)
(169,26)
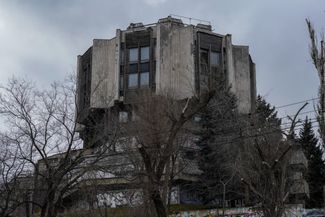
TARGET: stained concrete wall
(175,62)
(104,82)
(229,65)
(253,85)
(79,71)
(241,61)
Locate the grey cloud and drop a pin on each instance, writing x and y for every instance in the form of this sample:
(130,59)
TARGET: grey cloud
(43,38)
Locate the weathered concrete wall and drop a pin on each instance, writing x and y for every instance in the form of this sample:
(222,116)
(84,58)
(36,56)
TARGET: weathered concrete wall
(229,65)
(79,71)
(175,66)
(242,77)
(104,82)
(253,85)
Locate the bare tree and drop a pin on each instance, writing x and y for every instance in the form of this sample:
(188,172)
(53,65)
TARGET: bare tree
(12,192)
(317,54)
(265,159)
(156,134)
(41,124)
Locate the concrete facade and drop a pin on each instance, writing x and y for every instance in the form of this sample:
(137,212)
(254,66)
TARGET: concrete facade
(174,55)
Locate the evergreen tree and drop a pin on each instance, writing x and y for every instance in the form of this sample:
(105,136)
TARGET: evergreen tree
(266,115)
(219,128)
(316,168)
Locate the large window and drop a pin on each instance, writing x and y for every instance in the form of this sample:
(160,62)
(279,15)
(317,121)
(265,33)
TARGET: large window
(139,67)
(210,61)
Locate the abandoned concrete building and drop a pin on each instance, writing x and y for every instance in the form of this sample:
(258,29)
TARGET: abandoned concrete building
(165,56)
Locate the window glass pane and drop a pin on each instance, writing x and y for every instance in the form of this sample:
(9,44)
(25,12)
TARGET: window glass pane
(145,53)
(133,80)
(154,52)
(121,70)
(215,58)
(133,68)
(144,67)
(144,79)
(133,54)
(204,57)
(121,82)
(122,57)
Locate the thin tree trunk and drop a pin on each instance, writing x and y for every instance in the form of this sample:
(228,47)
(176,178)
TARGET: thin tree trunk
(158,203)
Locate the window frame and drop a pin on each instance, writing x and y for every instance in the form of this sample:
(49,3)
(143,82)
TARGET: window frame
(139,70)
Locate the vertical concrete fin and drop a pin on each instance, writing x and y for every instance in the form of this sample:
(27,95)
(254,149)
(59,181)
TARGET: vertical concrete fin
(229,63)
(104,86)
(177,61)
(242,77)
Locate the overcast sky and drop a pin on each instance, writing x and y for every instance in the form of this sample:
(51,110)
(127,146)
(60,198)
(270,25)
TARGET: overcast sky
(40,39)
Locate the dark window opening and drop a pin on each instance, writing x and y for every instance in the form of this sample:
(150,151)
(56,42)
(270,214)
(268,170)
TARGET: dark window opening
(204,61)
(121,82)
(144,67)
(133,68)
(122,58)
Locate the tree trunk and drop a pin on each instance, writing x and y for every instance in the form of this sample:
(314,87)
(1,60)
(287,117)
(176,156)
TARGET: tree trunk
(43,210)
(223,199)
(159,204)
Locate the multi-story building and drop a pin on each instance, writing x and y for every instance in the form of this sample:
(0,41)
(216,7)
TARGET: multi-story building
(165,56)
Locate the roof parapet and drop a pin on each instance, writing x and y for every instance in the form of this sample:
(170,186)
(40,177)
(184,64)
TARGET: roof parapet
(170,19)
(135,25)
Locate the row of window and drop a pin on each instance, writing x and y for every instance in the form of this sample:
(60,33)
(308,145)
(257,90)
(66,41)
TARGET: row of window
(138,74)
(135,55)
